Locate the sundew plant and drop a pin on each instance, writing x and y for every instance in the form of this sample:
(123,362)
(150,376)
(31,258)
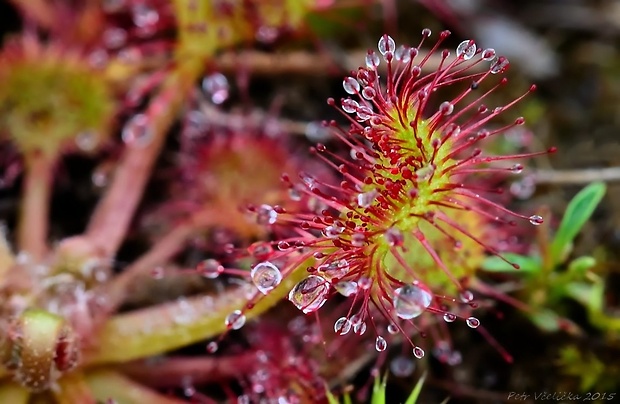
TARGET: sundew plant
(168,236)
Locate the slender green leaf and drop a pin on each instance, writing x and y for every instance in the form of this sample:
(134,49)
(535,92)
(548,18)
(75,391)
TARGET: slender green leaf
(579,266)
(413,397)
(577,214)
(526,264)
(378,390)
(331,399)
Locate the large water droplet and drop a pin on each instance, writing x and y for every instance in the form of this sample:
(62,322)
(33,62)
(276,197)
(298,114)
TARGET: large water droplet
(372,60)
(212,347)
(137,131)
(216,86)
(386,44)
(410,301)
(235,320)
(342,326)
(498,65)
(418,352)
(335,269)
(380,344)
(351,85)
(210,268)
(369,93)
(466,49)
(472,322)
(363,113)
(309,294)
(536,220)
(359,328)
(349,105)
(265,214)
(402,54)
(266,276)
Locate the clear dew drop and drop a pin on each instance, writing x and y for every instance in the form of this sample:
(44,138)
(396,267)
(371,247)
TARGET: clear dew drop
(294,194)
(365,199)
(488,54)
(386,44)
(466,49)
(87,140)
(418,352)
(394,237)
(216,87)
(402,54)
(523,189)
(517,169)
(446,108)
(426,32)
(449,317)
(350,85)
(536,220)
(372,60)
(309,294)
(466,296)
(369,93)
(426,172)
(235,320)
(335,269)
(402,366)
(349,105)
(342,326)
(333,230)
(498,65)
(363,113)
(210,268)
(212,347)
(144,16)
(114,38)
(364,282)
(265,214)
(358,240)
(410,301)
(267,34)
(472,322)
(380,344)
(137,131)
(392,329)
(266,276)
(316,132)
(346,288)
(359,328)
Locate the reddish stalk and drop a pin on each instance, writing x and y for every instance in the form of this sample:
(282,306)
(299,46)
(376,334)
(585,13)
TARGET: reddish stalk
(33,220)
(112,217)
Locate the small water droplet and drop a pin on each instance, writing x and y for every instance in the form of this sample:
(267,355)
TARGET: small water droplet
(334,269)
(402,366)
(536,220)
(380,344)
(488,54)
(410,301)
(216,87)
(393,329)
(426,32)
(210,268)
(137,131)
(517,168)
(266,276)
(449,317)
(349,105)
(366,199)
(369,93)
(364,113)
(358,240)
(235,320)
(372,60)
(342,326)
(267,34)
(364,282)
(418,352)
(309,294)
(346,288)
(265,214)
(316,132)
(333,231)
(87,140)
(466,49)
(466,296)
(351,85)
(425,173)
(394,237)
(144,16)
(359,328)
(499,65)
(261,250)
(386,44)
(212,347)
(446,108)
(523,189)
(114,38)
(294,194)
(402,54)
(472,322)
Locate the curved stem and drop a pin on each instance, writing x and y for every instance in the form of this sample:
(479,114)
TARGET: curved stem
(169,326)
(33,220)
(112,217)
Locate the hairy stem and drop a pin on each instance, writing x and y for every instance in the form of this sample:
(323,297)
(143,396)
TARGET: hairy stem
(33,220)
(112,217)
(169,326)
